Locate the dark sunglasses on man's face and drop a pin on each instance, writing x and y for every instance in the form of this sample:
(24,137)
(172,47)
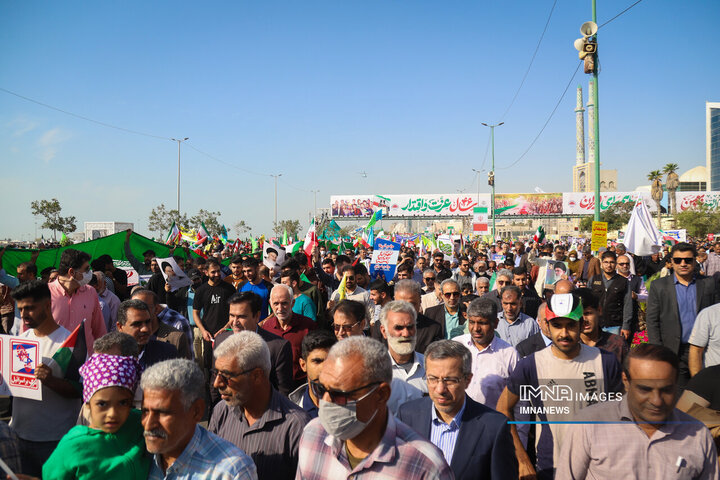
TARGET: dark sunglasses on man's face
(678,261)
(451,294)
(337,397)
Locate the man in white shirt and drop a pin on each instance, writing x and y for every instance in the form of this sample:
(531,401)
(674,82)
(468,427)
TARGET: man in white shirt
(398,327)
(493,359)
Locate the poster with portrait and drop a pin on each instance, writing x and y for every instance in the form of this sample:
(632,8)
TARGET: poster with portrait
(555,271)
(19,358)
(273,257)
(172,274)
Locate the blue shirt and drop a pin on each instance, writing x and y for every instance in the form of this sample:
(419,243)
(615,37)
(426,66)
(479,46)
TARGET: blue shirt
(262,291)
(452,325)
(206,457)
(304,306)
(687,307)
(444,435)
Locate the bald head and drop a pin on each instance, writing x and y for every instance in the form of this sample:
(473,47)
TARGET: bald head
(564,286)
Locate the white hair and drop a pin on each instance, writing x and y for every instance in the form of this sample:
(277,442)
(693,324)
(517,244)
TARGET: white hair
(410,286)
(248,348)
(281,286)
(375,359)
(398,306)
(180,375)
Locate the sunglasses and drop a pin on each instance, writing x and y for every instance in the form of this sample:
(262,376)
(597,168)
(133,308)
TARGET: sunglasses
(623,264)
(429,279)
(451,294)
(347,328)
(678,261)
(227,376)
(339,397)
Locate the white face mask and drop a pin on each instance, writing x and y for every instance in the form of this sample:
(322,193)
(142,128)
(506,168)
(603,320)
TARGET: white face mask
(572,259)
(341,421)
(86,277)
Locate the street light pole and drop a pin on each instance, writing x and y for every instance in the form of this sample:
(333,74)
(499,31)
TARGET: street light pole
(179,141)
(492,173)
(315,192)
(596,124)
(276,180)
(478,172)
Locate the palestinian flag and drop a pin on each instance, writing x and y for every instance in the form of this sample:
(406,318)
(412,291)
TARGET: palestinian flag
(72,354)
(539,234)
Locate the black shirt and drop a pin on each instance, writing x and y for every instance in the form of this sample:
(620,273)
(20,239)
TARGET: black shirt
(706,384)
(212,300)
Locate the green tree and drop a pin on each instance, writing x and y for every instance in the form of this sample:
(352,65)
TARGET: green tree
(209,219)
(699,221)
(50,209)
(292,227)
(241,227)
(617,216)
(161,219)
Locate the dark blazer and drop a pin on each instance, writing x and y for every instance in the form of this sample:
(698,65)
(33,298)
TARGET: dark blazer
(428,331)
(281,359)
(663,316)
(532,344)
(437,314)
(157,351)
(484,448)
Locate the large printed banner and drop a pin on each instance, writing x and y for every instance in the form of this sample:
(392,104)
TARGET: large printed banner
(384,259)
(431,205)
(19,357)
(690,200)
(528,203)
(583,203)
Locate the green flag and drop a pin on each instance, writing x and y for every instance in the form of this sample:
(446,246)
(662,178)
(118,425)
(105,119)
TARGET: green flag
(285,237)
(254,244)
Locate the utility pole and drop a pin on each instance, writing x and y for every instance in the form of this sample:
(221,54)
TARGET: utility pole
(491,174)
(179,141)
(276,180)
(315,192)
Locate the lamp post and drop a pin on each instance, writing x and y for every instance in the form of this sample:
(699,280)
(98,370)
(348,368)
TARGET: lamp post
(179,141)
(315,192)
(276,180)
(596,124)
(491,174)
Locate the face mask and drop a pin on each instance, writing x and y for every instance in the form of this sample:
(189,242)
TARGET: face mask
(341,421)
(86,277)
(572,259)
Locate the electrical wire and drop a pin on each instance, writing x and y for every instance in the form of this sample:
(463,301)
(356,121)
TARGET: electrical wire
(537,47)
(547,121)
(616,16)
(226,163)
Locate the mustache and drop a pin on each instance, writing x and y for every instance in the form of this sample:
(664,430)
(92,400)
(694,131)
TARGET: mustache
(155,433)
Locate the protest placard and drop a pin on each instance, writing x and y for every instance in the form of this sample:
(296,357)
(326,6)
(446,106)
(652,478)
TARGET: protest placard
(173,274)
(384,259)
(19,358)
(599,235)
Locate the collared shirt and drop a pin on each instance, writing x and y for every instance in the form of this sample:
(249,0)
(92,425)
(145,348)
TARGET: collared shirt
(491,369)
(712,264)
(206,457)
(109,303)
(687,306)
(301,397)
(359,295)
(415,376)
(297,329)
(272,441)
(69,311)
(642,293)
(513,333)
(682,448)
(444,435)
(401,453)
(452,325)
(176,320)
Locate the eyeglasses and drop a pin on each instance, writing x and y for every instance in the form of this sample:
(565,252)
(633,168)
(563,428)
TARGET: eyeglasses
(339,397)
(429,279)
(347,328)
(502,282)
(227,376)
(447,381)
(679,260)
(623,264)
(451,294)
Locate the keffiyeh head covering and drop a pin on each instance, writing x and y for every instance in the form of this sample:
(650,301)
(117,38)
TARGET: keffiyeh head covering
(102,371)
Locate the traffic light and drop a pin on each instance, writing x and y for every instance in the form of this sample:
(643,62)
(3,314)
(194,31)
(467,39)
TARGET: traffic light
(491,179)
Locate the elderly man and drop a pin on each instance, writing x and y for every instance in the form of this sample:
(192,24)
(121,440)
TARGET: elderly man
(503,279)
(493,359)
(643,435)
(162,331)
(173,404)
(514,326)
(253,415)
(244,316)
(109,302)
(447,314)
(475,440)
(348,319)
(397,324)
(289,325)
(354,434)
(482,286)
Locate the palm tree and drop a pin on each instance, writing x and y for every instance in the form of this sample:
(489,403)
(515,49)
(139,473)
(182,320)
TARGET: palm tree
(656,190)
(672,181)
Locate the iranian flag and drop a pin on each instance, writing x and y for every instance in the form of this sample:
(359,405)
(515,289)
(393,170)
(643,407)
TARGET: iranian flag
(539,234)
(202,233)
(173,235)
(310,240)
(72,354)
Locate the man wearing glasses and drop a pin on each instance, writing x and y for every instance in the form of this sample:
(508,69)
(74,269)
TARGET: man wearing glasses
(447,314)
(637,289)
(674,302)
(614,295)
(354,434)
(475,440)
(253,415)
(502,279)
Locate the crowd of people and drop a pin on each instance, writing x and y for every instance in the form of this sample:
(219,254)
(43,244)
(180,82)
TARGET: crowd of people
(470,366)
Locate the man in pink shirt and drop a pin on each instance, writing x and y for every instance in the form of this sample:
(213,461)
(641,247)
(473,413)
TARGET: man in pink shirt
(74,300)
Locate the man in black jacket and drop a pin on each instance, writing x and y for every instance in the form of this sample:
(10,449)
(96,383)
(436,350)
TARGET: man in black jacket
(614,296)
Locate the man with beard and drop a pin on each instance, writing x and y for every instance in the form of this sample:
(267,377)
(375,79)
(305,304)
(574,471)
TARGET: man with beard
(584,370)
(253,415)
(397,324)
(254,283)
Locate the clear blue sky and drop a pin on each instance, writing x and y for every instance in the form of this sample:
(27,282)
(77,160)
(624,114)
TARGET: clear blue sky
(319,91)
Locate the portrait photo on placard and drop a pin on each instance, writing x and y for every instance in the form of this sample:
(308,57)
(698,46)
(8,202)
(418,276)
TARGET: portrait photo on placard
(172,274)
